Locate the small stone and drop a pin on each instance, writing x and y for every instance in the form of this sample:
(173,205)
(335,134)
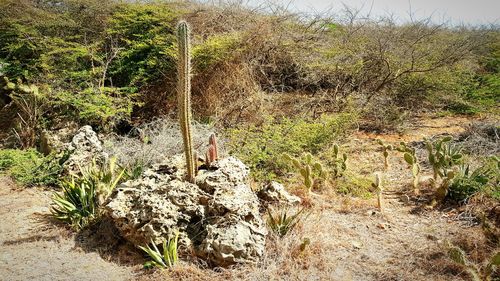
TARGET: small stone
(275,192)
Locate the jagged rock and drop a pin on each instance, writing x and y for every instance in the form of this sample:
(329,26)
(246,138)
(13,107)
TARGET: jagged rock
(275,192)
(57,140)
(218,216)
(83,149)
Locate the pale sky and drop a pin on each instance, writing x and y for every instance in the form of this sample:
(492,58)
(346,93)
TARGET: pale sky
(456,11)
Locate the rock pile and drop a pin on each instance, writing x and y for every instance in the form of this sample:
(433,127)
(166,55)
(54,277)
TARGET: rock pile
(84,148)
(218,216)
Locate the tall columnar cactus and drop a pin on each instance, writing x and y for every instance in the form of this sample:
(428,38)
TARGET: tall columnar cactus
(377,184)
(308,169)
(184,96)
(340,162)
(385,148)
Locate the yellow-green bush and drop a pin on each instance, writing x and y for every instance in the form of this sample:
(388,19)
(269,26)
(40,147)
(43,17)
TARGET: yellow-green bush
(261,147)
(29,167)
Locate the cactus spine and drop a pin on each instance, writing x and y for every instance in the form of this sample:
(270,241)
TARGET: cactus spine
(184,96)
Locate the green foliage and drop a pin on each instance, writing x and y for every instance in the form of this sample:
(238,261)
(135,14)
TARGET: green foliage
(261,147)
(103,177)
(145,35)
(215,49)
(282,222)
(134,171)
(77,204)
(442,155)
(163,260)
(468,182)
(29,167)
(354,185)
(309,169)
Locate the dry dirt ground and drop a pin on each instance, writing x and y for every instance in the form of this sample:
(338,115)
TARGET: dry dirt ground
(349,238)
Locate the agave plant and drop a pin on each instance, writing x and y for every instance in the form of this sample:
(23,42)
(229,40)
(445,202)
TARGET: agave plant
(164,259)
(103,177)
(281,223)
(77,204)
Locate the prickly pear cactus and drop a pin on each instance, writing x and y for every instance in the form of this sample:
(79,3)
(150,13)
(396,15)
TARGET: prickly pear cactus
(309,169)
(385,151)
(442,155)
(411,159)
(339,165)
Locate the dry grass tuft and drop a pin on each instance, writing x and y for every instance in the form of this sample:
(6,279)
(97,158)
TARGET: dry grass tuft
(153,142)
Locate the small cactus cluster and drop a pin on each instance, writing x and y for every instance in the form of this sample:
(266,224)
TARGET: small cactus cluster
(442,155)
(212,153)
(184,97)
(377,185)
(385,149)
(444,187)
(411,159)
(339,164)
(309,169)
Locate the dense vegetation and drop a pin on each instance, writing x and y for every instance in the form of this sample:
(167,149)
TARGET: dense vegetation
(283,91)
(107,63)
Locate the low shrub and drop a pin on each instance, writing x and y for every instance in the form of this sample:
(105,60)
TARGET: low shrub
(261,147)
(354,185)
(485,179)
(31,168)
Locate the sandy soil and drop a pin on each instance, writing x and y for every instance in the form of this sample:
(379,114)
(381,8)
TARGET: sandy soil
(349,238)
(33,248)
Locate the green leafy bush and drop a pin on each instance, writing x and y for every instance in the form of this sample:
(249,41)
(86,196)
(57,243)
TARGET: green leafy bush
(469,182)
(29,167)
(261,147)
(215,49)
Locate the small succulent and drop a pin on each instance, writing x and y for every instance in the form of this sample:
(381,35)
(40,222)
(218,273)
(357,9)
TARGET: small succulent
(412,161)
(167,258)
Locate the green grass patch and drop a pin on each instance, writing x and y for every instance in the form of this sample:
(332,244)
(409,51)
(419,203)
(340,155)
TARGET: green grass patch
(29,167)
